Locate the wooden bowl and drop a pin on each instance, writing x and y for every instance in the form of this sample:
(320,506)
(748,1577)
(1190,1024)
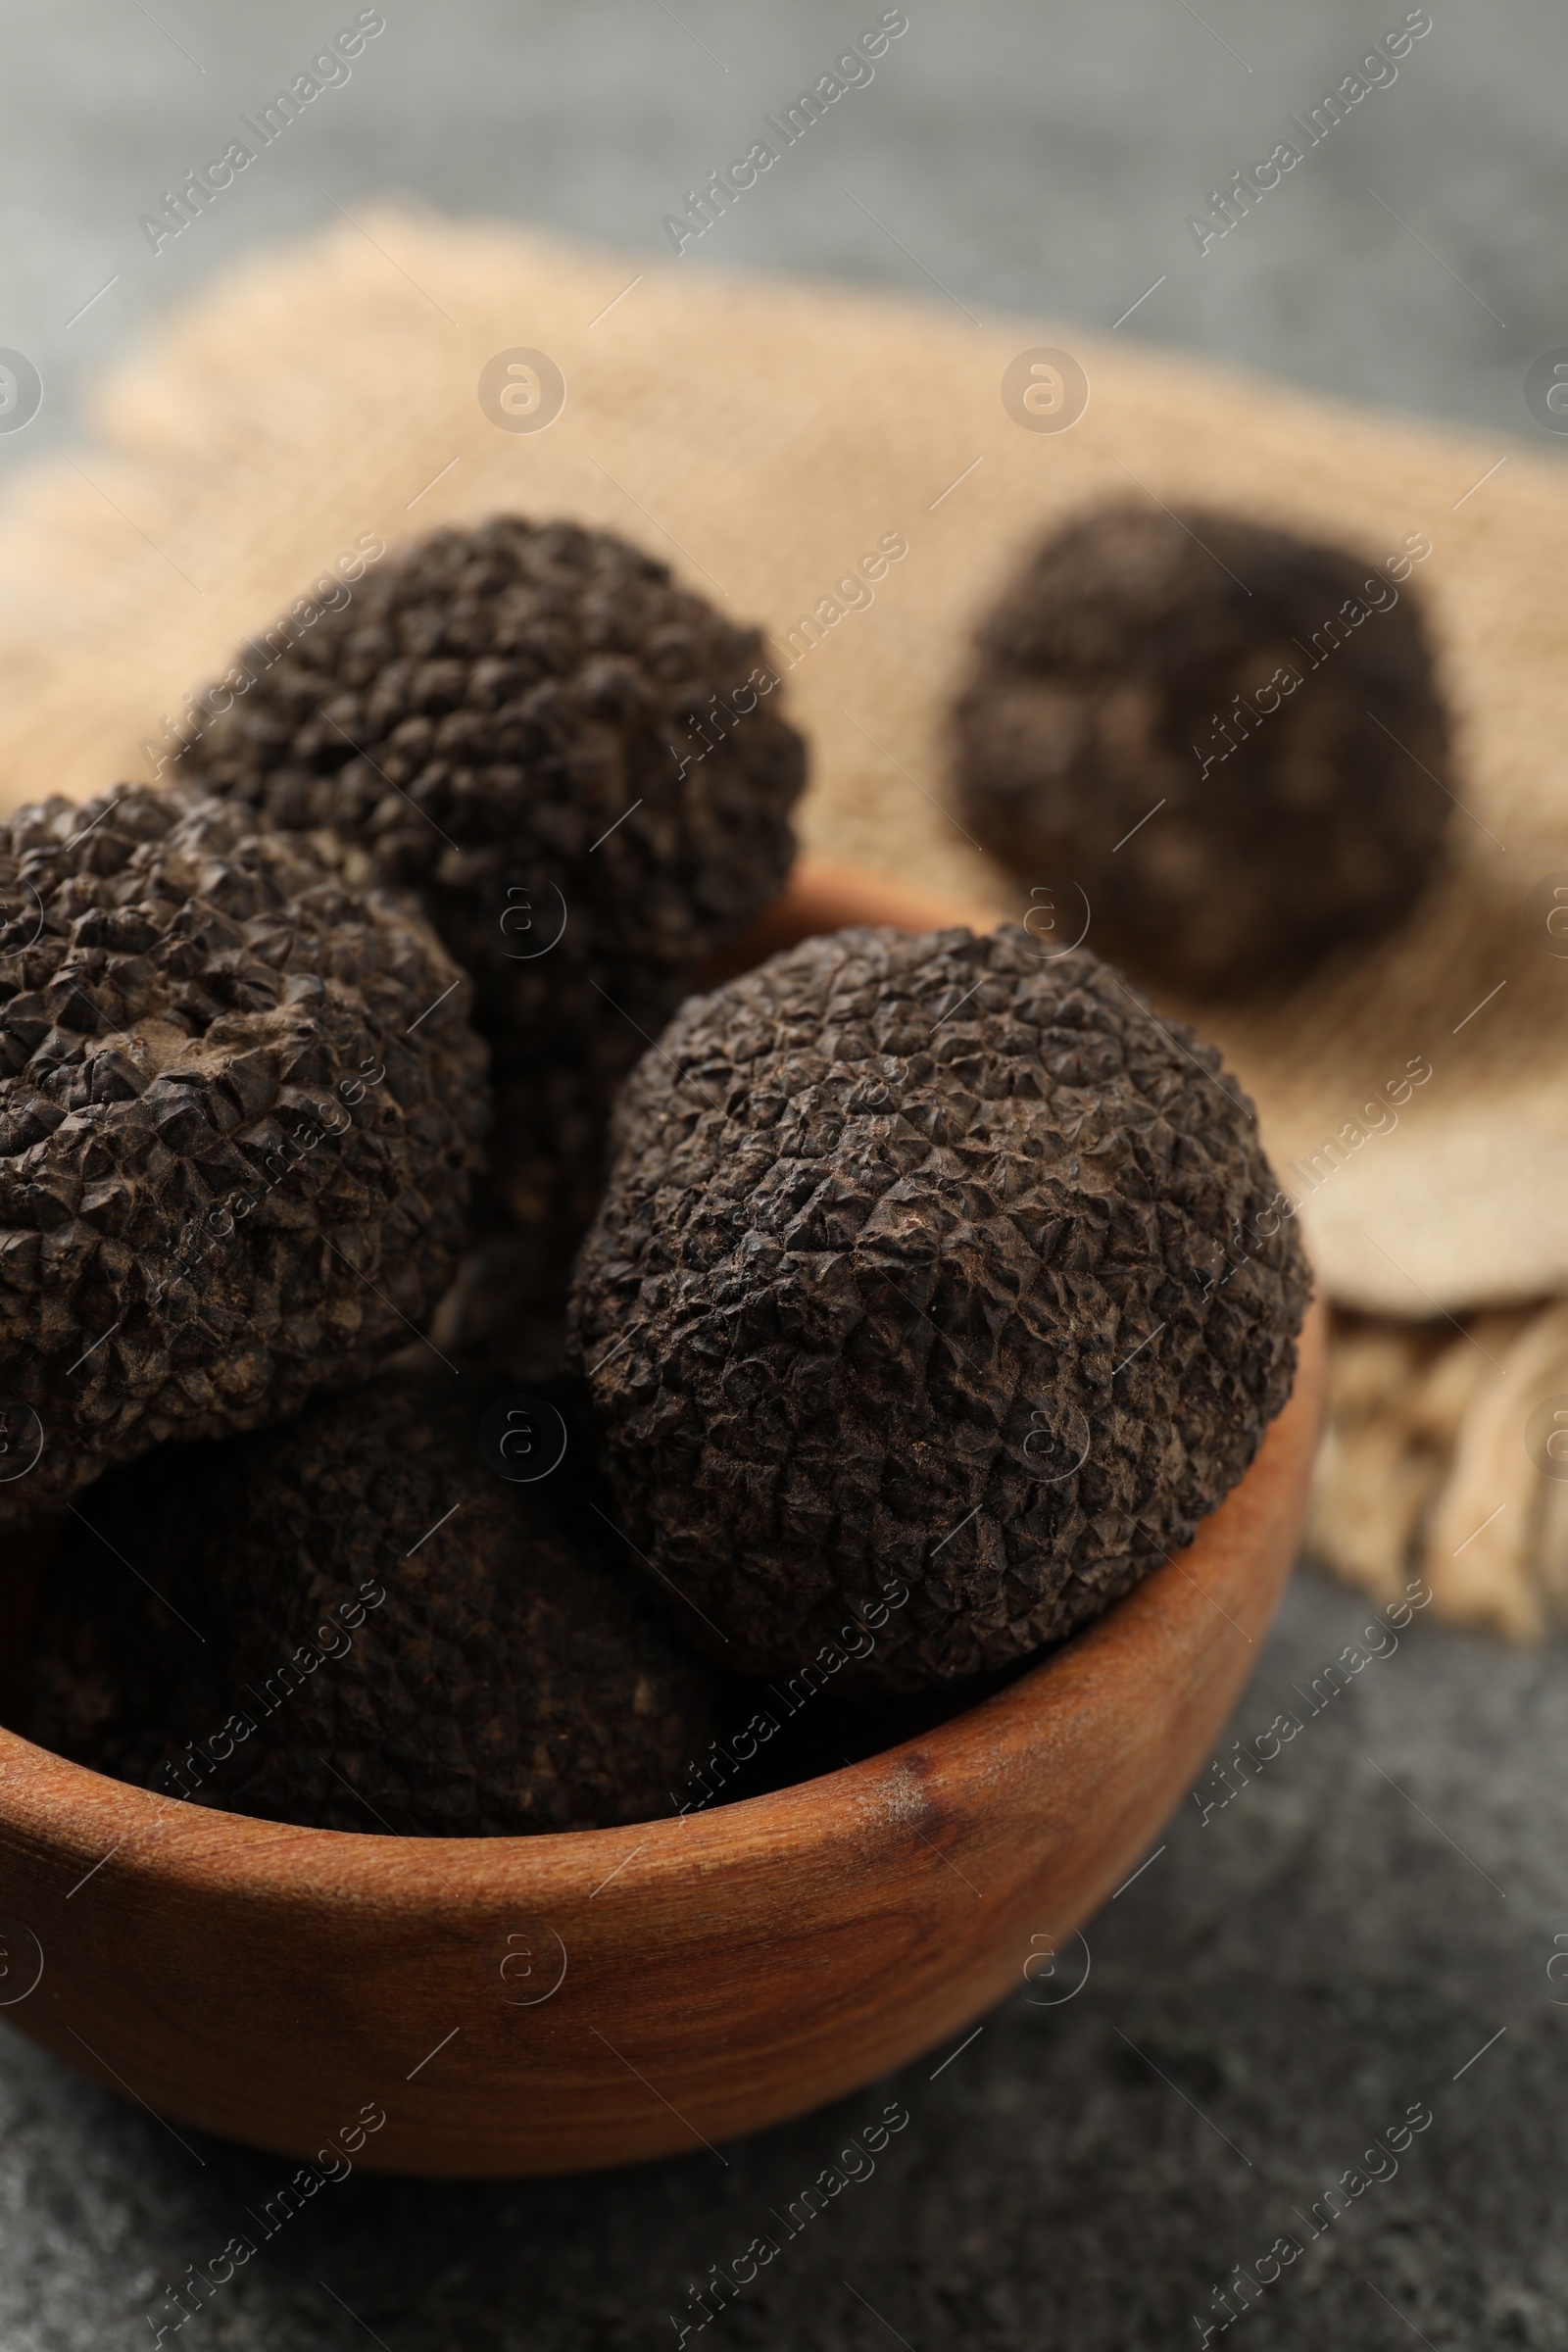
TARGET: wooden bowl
(554,2003)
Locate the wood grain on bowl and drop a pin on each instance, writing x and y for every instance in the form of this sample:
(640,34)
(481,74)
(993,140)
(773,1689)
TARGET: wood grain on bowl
(547,2004)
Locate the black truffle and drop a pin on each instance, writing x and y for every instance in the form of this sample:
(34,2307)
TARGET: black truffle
(239,1110)
(1228,739)
(929,1267)
(579,767)
(356,1623)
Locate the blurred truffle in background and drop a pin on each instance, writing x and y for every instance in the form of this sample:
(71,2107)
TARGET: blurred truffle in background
(1231,739)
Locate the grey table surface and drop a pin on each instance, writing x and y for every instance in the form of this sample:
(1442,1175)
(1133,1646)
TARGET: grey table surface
(1370,1926)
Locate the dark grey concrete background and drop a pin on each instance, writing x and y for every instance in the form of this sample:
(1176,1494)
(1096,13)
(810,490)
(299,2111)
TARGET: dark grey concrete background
(1037,158)
(1339,1942)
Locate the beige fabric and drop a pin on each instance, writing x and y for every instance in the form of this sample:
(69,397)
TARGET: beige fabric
(764,436)
(1426,1465)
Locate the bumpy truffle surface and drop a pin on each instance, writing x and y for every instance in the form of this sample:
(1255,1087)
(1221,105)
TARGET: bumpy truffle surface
(927,1263)
(239,1111)
(1229,739)
(582,769)
(393,1638)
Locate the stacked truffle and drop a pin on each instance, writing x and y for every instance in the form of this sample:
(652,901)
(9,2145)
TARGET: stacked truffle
(240,1111)
(519,773)
(579,768)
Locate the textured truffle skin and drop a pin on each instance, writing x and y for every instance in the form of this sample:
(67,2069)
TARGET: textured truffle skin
(520,720)
(236,1130)
(1097,743)
(484,1664)
(899,1228)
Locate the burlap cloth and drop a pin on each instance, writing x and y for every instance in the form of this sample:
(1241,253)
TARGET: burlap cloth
(763,436)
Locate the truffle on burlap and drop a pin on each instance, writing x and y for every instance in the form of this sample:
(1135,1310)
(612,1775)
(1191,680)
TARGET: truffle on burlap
(1228,737)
